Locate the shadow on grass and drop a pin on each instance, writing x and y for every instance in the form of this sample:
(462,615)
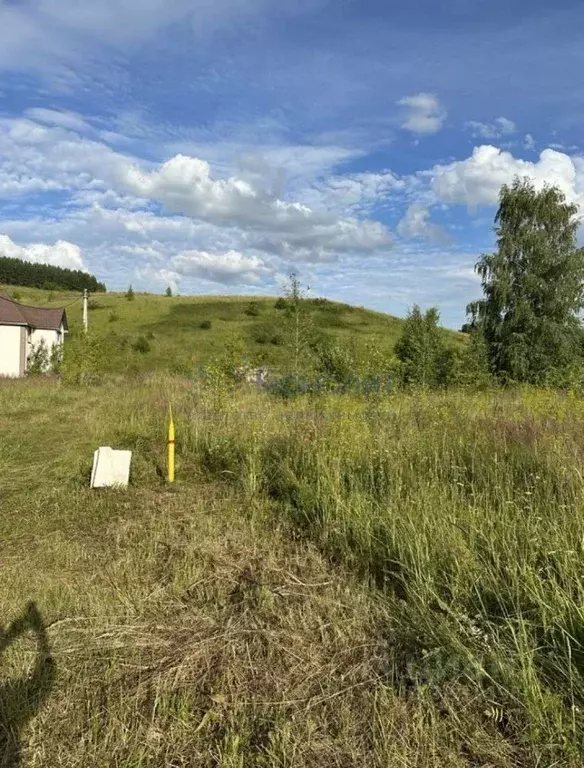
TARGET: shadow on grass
(22,698)
(188,316)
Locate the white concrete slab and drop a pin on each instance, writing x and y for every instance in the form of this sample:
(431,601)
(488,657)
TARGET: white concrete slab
(111,469)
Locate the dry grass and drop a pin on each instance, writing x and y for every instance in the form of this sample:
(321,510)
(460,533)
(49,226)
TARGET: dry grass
(313,592)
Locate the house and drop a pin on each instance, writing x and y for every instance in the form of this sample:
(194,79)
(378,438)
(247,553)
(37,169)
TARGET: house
(23,329)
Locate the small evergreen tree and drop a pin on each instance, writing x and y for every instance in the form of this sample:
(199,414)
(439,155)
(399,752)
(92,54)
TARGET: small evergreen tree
(425,361)
(168,292)
(533,286)
(130,294)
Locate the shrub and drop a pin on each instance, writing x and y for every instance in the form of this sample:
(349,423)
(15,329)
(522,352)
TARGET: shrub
(130,294)
(205,325)
(334,361)
(425,362)
(168,292)
(261,336)
(281,303)
(252,309)
(38,359)
(113,316)
(16,295)
(56,358)
(141,345)
(84,358)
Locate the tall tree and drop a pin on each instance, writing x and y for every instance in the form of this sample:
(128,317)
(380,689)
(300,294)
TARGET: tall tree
(533,286)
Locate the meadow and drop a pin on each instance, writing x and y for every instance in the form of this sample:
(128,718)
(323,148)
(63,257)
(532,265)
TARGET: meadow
(392,579)
(183,332)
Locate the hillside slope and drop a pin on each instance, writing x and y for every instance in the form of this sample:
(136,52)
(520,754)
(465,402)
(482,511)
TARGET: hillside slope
(177,331)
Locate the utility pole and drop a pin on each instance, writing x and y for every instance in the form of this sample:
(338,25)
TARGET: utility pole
(85,310)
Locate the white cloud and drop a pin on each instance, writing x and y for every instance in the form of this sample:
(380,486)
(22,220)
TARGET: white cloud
(416,224)
(35,156)
(500,127)
(423,113)
(185,185)
(46,34)
(355,193)
(61,254)
(477,180)
(60,118)
(226,268)
(529,142)
(217,228)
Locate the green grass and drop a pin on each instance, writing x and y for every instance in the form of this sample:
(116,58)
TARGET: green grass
(331,581)
(172,327)
(393,580)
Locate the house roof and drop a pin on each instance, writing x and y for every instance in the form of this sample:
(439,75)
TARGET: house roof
(13,313)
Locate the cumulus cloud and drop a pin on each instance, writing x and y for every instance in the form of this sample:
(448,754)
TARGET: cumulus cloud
(61,254)
(227,268)
(185,185)
(35,156)
(416,224)
(500,127)
(529,142)
(423,113)
(477,180)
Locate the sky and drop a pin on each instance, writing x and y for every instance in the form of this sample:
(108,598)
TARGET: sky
(216,146)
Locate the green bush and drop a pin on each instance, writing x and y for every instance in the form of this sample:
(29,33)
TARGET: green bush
(84,358)
(205,325)
(281,303)
(38,359)
(252,309)
(141,345)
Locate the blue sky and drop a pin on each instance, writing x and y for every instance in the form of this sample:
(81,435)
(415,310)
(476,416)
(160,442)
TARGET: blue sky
(218,145)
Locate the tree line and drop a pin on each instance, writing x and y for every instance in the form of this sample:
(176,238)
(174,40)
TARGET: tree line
(17,272)
(527,327)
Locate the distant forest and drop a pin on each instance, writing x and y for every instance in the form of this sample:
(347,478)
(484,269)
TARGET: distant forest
(18,272)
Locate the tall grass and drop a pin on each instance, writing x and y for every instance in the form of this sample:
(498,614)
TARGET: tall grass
(467,511)
(333,580)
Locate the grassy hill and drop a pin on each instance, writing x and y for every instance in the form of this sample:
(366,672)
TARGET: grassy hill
(177,331)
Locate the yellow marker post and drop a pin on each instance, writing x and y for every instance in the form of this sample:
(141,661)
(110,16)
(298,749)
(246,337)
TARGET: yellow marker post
(171,442)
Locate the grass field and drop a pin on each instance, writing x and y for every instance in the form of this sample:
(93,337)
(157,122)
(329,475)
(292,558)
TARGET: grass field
(331,581)
(383,580)
(172,327)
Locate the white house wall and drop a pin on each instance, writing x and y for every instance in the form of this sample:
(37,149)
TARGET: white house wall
(10,350)
(49,337)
